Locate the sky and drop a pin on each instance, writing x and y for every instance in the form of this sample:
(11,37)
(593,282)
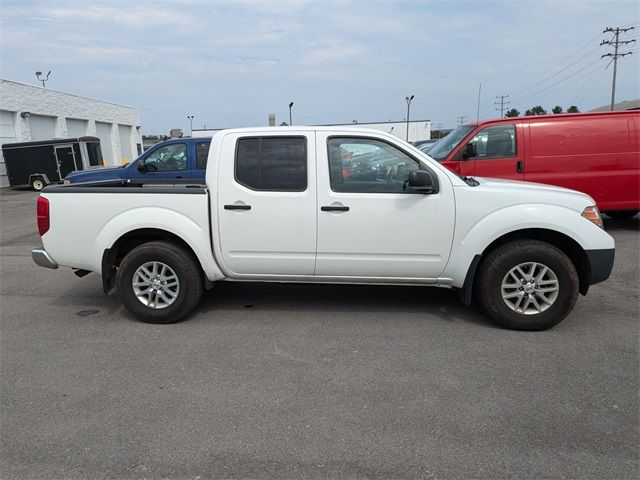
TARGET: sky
(229,64)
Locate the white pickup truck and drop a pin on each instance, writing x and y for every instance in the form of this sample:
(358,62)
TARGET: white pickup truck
(329,205)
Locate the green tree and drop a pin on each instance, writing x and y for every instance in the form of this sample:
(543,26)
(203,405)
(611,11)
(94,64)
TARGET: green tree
(512,113)
(557,109)
(573,109)
(537,110)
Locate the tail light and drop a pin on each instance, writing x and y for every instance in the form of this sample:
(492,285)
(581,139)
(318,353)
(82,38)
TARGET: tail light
(43,215)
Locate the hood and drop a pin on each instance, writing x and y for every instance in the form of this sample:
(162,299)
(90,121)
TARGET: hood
(93,171)
(529,192)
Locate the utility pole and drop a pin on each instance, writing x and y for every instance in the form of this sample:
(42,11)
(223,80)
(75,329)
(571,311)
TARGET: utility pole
(615,42)
(439,128)
(462,119)
(502,103)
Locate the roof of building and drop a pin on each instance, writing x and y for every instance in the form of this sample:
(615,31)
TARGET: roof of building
(64,93)
(624,105)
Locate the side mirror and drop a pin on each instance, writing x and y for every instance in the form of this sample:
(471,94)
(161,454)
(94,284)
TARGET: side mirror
(423,181)
(140,167)
(469,151)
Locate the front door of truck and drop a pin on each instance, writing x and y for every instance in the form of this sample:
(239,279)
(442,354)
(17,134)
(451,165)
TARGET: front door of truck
(165,162)
(499,152)
(266,204)
(370,224)
(66,159)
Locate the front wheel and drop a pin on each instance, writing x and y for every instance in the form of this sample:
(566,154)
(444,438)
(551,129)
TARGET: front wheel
(527,285)
(159,282)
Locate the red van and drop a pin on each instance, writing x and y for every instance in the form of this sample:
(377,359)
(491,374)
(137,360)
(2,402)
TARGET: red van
(594,153)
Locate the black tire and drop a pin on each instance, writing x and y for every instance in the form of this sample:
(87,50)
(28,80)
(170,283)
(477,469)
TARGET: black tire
(497,264)
(38,183)
(622,214)
(186,269)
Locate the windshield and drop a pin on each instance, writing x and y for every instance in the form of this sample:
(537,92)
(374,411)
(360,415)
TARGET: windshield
(442,148)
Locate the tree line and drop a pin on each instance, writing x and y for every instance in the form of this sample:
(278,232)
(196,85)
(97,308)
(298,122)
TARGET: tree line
(538,110)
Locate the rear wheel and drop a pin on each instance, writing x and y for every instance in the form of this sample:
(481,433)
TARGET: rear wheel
(622,214)
(38,184)
(527,285)
(159,282)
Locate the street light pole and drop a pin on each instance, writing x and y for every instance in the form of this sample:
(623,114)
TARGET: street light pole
(190,117)
(290,121)
(43,80)
(408,99)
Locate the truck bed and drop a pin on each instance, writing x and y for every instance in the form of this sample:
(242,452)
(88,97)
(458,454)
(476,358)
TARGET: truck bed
(185,186)
(94,215)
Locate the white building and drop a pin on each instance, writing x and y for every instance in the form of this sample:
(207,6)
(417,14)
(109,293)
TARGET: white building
(418,129)
(29,113)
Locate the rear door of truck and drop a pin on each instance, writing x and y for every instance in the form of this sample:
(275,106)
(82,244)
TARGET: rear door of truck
(266,202)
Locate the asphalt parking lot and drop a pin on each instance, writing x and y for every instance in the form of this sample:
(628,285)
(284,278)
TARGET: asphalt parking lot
(291,381)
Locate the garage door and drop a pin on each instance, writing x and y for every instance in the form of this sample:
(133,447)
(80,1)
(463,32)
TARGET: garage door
(7,135)
(125,143)
(76,128)
(42,128)
(103,131)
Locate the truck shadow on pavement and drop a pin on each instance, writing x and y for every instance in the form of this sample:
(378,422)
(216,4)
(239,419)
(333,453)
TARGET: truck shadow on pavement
(338,300)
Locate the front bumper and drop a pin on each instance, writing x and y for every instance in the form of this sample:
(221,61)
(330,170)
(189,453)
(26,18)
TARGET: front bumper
(42,258)
(601,264)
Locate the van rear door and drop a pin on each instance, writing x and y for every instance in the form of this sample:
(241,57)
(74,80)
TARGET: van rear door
(499,152)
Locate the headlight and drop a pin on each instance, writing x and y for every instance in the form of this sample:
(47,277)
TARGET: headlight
(593,215)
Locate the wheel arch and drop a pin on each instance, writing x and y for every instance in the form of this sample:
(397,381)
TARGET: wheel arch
(561,241)
(112,257)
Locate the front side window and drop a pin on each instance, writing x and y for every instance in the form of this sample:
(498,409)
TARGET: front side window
(495,142)
(272,163)
(366,165)
(202,153)
(169,158)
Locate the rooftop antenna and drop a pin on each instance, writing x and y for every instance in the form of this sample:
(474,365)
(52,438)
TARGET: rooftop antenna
(43,79)
(478,110)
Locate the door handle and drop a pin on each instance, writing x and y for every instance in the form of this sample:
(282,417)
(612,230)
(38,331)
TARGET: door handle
(237,207)
(334,208)
(519,166)
(178,176)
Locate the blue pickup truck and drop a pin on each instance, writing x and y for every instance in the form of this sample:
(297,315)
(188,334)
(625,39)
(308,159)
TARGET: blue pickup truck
(182,158)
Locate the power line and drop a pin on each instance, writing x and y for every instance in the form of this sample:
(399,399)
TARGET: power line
(502,104)
(581,97)
(529,85)
(532,95)
(616,42)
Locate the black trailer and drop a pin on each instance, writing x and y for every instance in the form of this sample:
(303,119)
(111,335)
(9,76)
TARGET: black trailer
(48,161)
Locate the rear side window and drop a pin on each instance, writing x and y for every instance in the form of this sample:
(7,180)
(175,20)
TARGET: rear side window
(202,153)
(272,163)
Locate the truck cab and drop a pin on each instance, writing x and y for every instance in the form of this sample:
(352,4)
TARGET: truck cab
(180,158)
